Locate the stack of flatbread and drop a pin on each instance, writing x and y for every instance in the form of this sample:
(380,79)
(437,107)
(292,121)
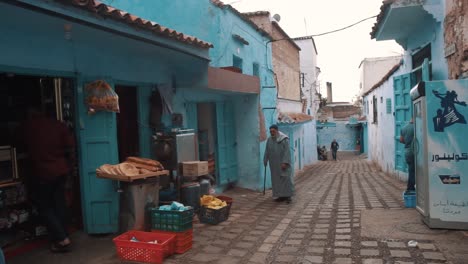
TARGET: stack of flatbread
(131,167)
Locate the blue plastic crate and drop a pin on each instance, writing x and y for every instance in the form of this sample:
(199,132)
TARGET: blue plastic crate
(410,200)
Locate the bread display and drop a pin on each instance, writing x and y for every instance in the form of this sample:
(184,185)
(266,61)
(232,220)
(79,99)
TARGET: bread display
(144,163)
(133,166)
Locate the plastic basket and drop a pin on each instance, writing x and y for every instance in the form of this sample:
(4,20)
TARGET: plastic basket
(215,216)
(183,240)
(142,251)
(175,221)
(410,200)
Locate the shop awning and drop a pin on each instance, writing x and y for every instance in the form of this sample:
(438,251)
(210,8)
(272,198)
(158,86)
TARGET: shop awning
(232,81)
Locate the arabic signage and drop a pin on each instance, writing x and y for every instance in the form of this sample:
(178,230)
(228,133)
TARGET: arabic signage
(447,150)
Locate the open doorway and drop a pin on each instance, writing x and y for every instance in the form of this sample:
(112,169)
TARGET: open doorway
(55,97)
(207,135)
(127,122)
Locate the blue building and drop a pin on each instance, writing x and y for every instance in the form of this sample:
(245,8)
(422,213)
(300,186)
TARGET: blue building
(424,59)
(238,103)
(51,50)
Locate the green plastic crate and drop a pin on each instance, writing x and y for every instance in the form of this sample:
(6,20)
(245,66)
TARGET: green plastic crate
(175,221)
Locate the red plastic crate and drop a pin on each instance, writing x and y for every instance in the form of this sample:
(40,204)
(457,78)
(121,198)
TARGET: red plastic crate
(183,240)
(142,251)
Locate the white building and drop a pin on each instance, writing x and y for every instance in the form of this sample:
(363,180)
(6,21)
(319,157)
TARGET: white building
(378,107)
(309,95)
(372,70)
(309,73)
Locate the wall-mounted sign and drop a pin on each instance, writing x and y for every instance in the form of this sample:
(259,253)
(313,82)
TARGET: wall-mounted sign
(450,50)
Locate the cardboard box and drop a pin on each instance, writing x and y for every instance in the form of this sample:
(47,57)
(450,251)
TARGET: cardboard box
(194,168)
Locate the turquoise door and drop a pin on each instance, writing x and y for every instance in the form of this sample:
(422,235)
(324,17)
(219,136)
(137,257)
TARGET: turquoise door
(401,86)
(97,135)
(226,143)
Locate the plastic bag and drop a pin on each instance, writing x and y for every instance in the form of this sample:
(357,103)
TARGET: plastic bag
(101,97)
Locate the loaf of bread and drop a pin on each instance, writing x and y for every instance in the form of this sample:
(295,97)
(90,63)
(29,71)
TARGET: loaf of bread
(128,169)
(146,162)
(143,166)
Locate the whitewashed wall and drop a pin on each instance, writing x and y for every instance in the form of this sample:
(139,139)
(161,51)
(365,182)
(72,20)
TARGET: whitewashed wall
(381,136)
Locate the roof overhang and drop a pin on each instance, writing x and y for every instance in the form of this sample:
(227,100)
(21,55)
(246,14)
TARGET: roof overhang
(230,81)
(94,14)
(399,19)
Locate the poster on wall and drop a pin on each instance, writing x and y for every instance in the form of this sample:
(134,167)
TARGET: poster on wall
(447,112)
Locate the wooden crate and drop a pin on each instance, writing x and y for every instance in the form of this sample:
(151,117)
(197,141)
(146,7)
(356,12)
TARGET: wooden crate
(195,168)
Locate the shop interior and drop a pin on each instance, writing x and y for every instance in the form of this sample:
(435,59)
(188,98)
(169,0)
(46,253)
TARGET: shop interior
(207,135)
(127,122)
(18,219)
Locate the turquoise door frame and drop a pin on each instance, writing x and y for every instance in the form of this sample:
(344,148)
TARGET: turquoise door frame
(403,106)
(402,85)
(97,139)
(226,143)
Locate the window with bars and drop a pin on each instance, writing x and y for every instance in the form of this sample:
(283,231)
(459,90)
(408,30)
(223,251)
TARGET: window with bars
(374,108)
(389,106)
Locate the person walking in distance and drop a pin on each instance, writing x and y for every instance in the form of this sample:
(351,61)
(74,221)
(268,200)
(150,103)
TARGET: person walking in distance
(334,148)
(406,137)
(278,155)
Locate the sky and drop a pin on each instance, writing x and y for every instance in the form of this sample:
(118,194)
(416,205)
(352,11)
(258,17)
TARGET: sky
(339,54)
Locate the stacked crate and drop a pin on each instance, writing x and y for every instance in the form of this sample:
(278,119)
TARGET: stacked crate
(177,223)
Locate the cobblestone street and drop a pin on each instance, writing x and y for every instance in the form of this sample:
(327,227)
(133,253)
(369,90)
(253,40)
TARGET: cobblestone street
(323,224)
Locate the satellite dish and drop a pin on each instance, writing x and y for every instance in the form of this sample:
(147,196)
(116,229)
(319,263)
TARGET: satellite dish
(277,17)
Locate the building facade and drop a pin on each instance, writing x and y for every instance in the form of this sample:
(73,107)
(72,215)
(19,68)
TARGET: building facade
(92,41)
(433,44)
(240,91)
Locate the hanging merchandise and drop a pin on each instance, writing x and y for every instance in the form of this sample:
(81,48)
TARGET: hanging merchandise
(101,97)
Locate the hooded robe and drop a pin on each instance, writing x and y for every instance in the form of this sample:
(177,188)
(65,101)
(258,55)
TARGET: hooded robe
(277,152)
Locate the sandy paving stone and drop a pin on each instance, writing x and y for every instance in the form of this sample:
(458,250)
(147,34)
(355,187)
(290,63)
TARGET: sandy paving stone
(300,236)
(212,249)
(396,245)
(370,252)
(319,237)
(343,261)
(426,246)
(285,258)
(246,245)
(317,243)
(342,251)
(369,243)
(400,253)
(289,249)
(433,255)
(321,231)
(293,242)
(265,248)
(313,259)
(259,258)
(372,261)
(343,237)
(342,243)
(316,250)
(272,239)
(344,230)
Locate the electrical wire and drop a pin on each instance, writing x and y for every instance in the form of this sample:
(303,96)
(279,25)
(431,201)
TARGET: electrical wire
(328,32)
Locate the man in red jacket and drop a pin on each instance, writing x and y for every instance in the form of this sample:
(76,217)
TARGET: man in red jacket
(50,147)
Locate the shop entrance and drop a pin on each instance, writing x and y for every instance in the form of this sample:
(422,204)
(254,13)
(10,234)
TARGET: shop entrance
(127,122)
(56,97)
(207,135)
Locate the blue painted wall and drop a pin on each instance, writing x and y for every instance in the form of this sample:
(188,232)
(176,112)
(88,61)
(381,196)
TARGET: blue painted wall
(35,44)
(345,135)
(203,19)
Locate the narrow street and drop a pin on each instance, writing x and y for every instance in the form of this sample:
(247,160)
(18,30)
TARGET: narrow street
(344,212)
